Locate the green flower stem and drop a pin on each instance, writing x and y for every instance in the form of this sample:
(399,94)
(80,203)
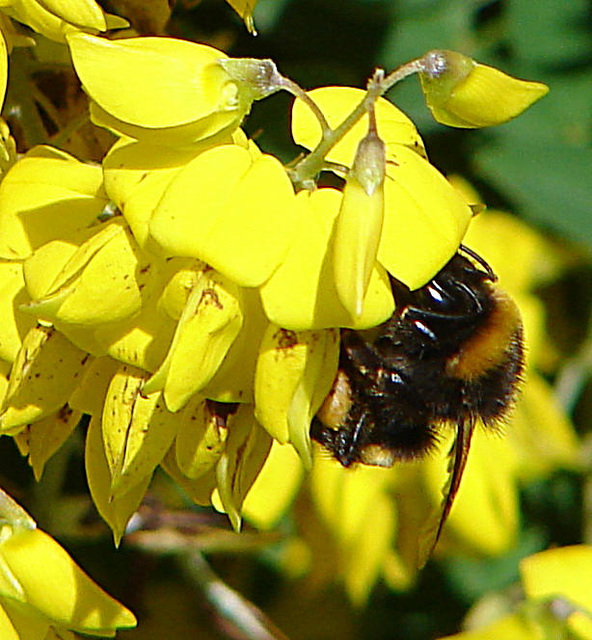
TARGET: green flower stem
(304,172)
(247,621)
(291,87)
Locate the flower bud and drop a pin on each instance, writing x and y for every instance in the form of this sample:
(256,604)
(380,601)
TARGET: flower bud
(463,93)
(359,224)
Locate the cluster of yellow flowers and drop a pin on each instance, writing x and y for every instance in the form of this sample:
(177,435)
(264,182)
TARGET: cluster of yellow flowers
(188,299)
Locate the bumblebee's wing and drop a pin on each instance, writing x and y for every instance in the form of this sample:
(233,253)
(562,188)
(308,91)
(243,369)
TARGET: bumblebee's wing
(456,466)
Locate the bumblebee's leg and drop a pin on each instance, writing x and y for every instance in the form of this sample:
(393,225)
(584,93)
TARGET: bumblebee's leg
(359,358)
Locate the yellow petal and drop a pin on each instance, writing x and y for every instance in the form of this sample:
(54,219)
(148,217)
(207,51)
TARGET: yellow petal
(89,395)
(358,509)
(294,374)
(554,444)
(105,280)
(211,320)
(79,603)
(137,430)
(34,15)
(136,175)
(301,294)
(425,220)
(212,129)
(245,9)
(185,75)
(234,380)
(200,490)
(265,505)
(45,196)
(83,13)
(46,436)
(200,440)
(564,571)
(511,627)
(16,624)
(3,67)
(246,449)
(45,373)
(115,510)
(337,103)
(215,210)
(463,93)
(44,265)
(498,235)
(12,295)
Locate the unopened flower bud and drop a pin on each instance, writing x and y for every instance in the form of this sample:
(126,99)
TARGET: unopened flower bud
(359,224)
(463,93)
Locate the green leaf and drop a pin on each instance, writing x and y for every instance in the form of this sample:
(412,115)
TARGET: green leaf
(549,31)
(550,182)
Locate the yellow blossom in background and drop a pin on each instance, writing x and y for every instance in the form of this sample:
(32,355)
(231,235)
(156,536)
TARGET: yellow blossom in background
(538,436)
(52,18)
(42,588)
(556,586)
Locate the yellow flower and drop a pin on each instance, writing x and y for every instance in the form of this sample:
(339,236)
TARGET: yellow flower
(53,17)
(463,93)
(424,217)
(556,584)
(170,92)
(42,588)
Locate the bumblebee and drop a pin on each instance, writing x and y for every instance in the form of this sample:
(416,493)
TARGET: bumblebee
(451,354)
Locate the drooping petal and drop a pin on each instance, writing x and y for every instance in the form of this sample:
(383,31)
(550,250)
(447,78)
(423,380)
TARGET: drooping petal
(246,449)
(46,436)
(245,9)
(301,294)
(47,370)
(14,325)
(211,320)
(425,219)
(3,67)
(200,440)
(78,604)
(137,430)
(199,489)
(52,17)
(357,509)
(294,374)
(359,224)
(115,510)
(488,493)
(265,505)
(234,380)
